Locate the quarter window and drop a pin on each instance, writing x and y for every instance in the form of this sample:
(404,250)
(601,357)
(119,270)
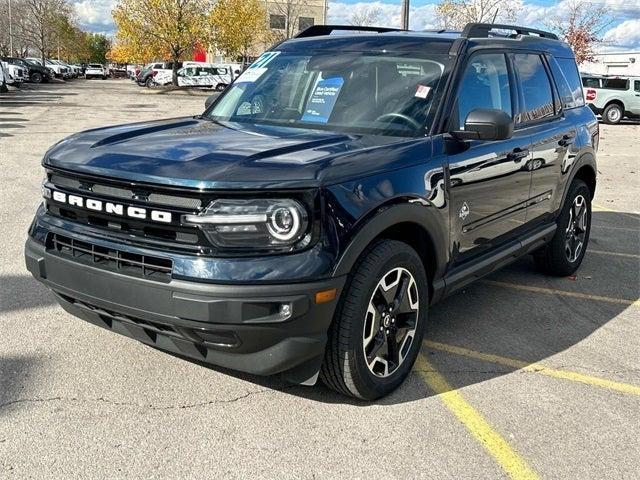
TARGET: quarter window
(536,89)
(485,84)
(567,80)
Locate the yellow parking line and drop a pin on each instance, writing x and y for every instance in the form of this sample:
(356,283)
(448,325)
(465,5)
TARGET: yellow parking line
(535,367)
(510,461)
(564,293)
(615,254)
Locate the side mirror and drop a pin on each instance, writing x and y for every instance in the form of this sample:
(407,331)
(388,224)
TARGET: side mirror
(486,124)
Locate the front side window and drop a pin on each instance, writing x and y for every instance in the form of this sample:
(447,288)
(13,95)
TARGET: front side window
(536,88)
(355,91)
(485,84)
(277,22)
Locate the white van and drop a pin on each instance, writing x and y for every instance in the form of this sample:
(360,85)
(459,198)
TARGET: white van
(196,74)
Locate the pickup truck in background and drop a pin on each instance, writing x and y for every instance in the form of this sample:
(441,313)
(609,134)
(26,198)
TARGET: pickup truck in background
(614,98)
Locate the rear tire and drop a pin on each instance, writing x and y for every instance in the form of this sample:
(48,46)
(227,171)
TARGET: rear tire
(149,82)
(612,114)
(378,326)
(564,254)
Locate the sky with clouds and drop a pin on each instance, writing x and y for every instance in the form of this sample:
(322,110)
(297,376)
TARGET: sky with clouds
(622,34)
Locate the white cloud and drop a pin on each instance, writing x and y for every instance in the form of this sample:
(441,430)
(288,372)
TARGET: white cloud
(626,35)
(95,15)
(421,17)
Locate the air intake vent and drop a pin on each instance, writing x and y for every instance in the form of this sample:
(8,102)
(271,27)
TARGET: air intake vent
(145,266)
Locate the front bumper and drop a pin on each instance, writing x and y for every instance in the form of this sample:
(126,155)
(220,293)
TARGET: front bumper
(259,329)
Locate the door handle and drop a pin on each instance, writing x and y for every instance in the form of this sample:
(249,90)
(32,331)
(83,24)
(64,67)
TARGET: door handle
(518,154)
(567,139)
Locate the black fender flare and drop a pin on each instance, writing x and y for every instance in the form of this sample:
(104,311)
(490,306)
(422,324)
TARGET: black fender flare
(418,212)
(587,159)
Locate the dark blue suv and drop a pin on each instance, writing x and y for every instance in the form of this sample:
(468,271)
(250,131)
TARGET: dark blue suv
(305,223)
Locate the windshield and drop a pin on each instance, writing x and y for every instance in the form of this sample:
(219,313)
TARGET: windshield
(350,92)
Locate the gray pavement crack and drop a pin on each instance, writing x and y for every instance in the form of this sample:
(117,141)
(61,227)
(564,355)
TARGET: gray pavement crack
(144,406)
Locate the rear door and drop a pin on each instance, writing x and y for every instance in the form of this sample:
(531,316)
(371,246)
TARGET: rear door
(552,131)
(635,99)
(489,182)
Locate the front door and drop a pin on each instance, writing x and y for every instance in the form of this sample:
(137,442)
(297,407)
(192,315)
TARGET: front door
(489,181)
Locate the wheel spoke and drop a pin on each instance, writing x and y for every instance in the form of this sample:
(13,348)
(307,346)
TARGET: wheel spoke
(392,349)
(407,320)
(401,294)
(377,344)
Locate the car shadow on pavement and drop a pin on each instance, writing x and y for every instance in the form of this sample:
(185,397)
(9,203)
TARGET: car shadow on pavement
(14,379)
(516,313)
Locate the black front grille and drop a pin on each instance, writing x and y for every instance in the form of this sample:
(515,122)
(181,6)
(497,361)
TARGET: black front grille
(144,266)
(87,187)
(169,237)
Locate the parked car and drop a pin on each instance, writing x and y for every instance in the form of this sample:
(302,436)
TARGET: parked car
(146,76)
(3,79)
(206,75)
(37,73)
(58,70)
(16,73)
(95,70)
(613,97)
(305,224)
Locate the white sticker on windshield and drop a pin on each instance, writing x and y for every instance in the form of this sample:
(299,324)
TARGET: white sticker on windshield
(422,91)
(251,75)
(264,60)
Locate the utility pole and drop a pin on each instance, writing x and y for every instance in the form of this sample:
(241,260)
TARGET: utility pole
(405,14)
(10,31)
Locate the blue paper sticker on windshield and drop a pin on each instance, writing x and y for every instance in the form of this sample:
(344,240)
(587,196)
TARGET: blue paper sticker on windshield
(321,103)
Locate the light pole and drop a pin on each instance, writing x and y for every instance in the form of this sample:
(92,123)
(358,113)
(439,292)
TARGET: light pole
(10,31)
(405,14)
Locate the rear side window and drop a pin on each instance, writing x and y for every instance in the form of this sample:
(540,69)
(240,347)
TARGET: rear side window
(636,85)
(616,83)
(485,84)
(537,96)
(567,78)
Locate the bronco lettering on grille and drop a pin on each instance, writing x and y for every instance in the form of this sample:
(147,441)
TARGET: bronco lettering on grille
(110,207)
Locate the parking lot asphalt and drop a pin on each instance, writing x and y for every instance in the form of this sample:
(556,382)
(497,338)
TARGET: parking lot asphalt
(520,376)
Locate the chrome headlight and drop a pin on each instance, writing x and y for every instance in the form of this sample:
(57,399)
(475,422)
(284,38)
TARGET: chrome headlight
(273,223)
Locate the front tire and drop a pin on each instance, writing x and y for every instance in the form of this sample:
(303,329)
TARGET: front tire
(564,254)
(36,77)
(612,114)
(379,324)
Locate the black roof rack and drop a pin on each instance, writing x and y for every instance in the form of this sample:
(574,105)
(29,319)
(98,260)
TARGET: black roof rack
(320,30)
(482,30)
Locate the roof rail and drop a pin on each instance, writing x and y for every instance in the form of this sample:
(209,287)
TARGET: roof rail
(321,30)
(482,30)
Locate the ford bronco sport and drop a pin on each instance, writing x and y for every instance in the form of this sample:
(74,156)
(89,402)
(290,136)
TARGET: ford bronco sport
(307,221)
(613,97)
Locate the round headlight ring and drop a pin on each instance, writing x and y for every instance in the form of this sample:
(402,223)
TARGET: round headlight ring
(281,232)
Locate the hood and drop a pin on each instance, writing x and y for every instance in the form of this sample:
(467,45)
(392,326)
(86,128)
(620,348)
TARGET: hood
(198,153)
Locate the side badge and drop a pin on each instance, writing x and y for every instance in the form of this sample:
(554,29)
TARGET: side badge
(464,211)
